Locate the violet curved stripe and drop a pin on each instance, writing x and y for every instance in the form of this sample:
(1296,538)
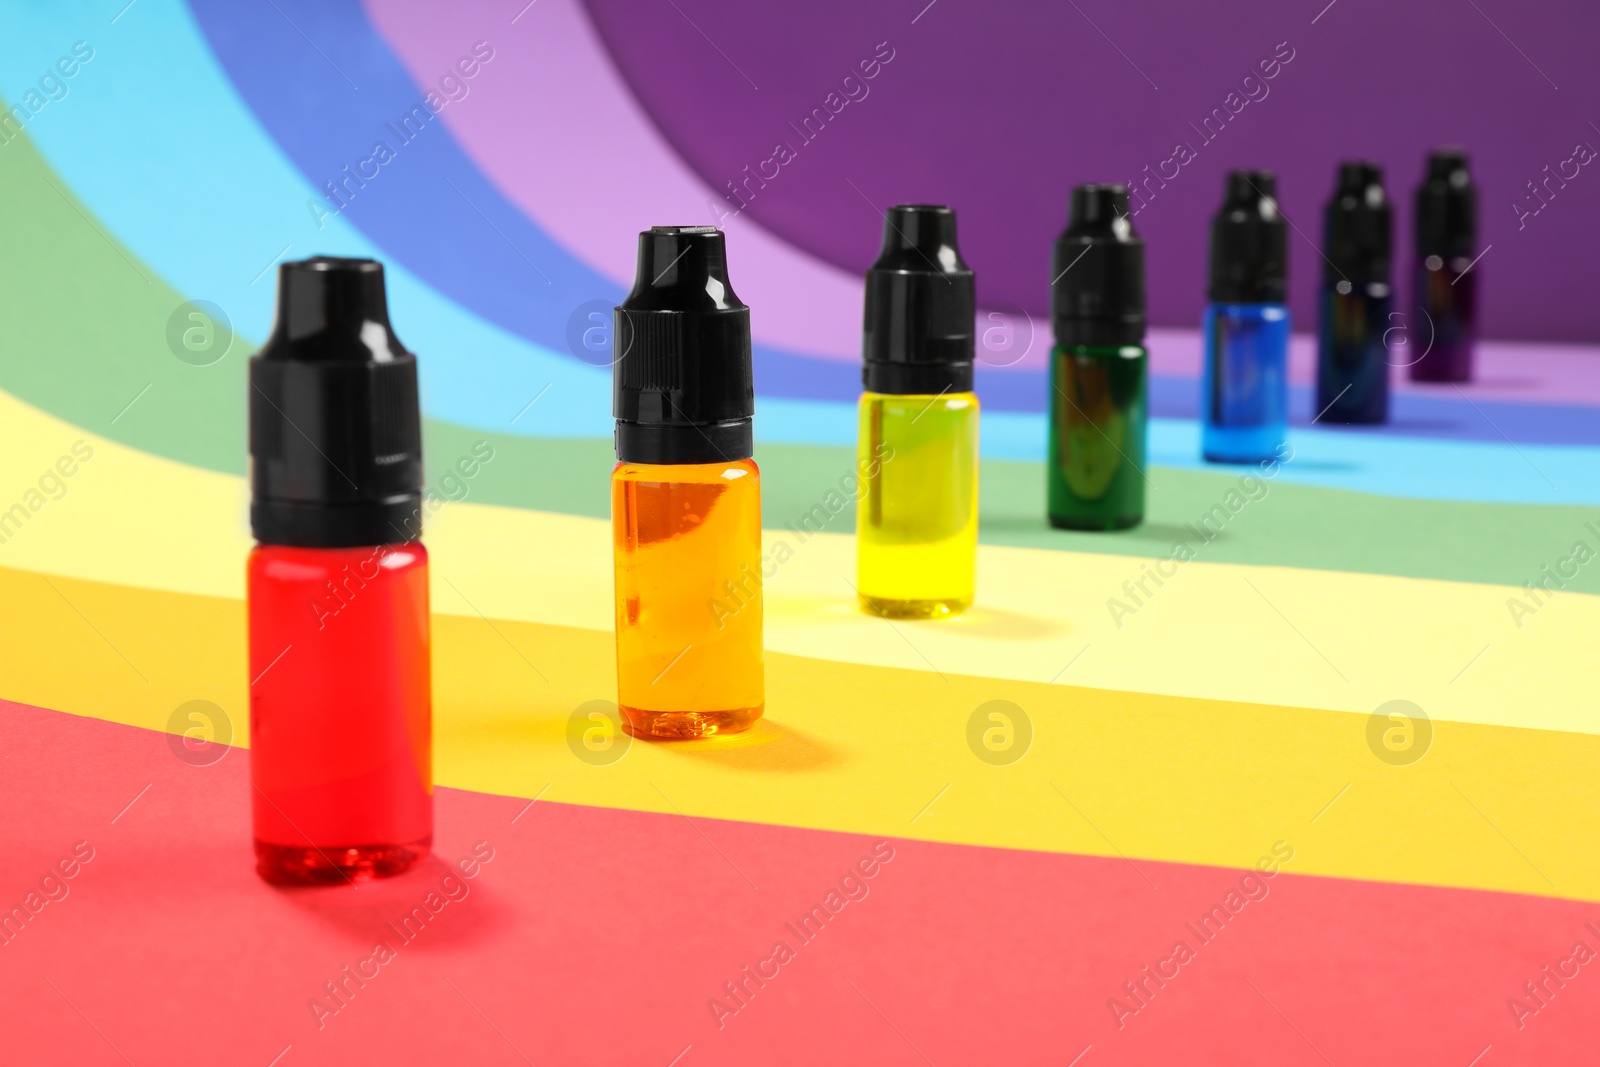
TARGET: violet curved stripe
(804,303)
(558,98)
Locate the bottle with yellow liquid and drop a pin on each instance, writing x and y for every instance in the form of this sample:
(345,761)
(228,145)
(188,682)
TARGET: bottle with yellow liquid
(917,449)
(685,495)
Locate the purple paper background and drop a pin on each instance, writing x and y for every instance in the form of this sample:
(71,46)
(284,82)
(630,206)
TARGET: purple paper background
(998,109)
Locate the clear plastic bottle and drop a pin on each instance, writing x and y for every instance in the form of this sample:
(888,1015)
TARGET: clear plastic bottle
(341,751)
(1244,393)
(685,495)
(1357,312)
(1099,369)
(917,444)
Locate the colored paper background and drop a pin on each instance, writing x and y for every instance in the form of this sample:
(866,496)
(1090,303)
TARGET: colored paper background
(1424,905)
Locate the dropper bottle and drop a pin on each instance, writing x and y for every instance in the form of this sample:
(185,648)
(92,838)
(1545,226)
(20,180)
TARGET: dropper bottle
(1444,324)
(340,702)
(1244,393)
(917,449)
(685,495)
(1098,368)
(1357,302)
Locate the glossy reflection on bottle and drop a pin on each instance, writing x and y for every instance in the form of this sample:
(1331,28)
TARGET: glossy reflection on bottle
(1444,323)
(1244,391)
(685,495)
(917,445)
(340,699)
(1356,313)
(1099,368)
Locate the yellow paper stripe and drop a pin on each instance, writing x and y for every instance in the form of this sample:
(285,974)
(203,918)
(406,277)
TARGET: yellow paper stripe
(1267,635)
(884,751)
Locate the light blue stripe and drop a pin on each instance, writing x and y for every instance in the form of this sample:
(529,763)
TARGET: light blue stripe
(156,143)
(154,140)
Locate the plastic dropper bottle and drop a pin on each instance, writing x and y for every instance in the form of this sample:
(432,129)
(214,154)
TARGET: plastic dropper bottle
(1099,367)
(1445,287)
(1357,300)
(341,749)
(1244,392)
(917,450)
(685,495)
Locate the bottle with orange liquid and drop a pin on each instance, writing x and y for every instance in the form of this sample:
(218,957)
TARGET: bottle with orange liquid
(685,495)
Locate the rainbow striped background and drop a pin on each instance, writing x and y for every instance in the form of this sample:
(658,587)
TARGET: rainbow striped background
(1226,720)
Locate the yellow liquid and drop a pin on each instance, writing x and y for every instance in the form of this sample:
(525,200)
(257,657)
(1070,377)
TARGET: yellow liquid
(687,553)
(917,516)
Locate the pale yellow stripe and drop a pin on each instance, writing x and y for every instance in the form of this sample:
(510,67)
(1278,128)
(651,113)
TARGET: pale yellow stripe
(1268,635)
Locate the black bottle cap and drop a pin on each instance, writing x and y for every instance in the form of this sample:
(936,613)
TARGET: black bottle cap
(681,383)
(335,431)
(917,331)
(1249,242)
(1447,207)
(1097,296)
(1358,227)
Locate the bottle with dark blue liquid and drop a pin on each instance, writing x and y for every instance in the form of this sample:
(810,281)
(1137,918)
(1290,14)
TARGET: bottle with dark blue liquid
(1444,298)
(1244,392)
(1357,303)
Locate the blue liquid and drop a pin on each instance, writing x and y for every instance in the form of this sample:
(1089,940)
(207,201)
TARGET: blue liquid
(1244,390)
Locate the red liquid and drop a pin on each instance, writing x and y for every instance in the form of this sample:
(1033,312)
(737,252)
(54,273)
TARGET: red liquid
(341,732)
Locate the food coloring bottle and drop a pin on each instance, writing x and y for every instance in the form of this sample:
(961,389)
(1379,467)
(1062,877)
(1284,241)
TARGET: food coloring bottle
(1098,368)
(1444,324)
(917,448)
(1244,390)
(1357,305)
(685,495)
(341,744)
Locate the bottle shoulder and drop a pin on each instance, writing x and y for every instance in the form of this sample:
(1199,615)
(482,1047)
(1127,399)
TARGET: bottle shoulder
(293,563)
(921,401)
(735,470)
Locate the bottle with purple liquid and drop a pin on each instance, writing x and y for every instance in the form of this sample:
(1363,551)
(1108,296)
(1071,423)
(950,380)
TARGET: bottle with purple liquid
(1444,322)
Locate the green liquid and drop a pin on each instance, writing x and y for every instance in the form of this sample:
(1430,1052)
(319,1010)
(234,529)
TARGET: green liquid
(1097,437)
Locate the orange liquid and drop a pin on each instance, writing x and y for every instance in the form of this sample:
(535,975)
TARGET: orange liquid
(687,549)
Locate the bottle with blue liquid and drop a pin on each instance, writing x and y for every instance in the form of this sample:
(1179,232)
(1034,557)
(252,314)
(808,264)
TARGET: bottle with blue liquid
(1244,398)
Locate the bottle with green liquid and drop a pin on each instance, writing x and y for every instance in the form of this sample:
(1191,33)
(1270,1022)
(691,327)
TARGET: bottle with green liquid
(1099,368)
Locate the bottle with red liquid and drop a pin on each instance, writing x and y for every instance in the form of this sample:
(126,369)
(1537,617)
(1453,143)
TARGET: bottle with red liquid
(340,702)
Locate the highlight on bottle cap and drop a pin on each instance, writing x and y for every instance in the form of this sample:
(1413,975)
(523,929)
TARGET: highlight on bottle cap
(1249,242)
(335,424)
(1097,287)
(682,386)
(918,334)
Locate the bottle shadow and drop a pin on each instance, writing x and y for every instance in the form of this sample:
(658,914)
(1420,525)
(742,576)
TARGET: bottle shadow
(767,747)
(397,910)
